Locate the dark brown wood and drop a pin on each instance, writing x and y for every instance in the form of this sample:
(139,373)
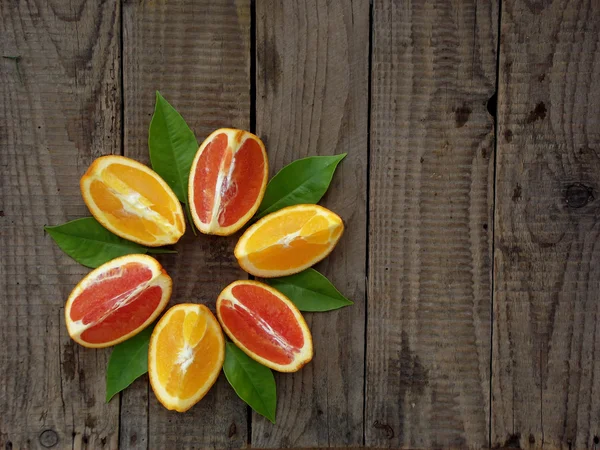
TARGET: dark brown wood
(197,54)
(59,109)
(546,367)
(431,189)
(311,99)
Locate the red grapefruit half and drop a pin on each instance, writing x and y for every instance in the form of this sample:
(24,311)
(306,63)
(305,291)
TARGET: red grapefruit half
(117,300)
(265,324)
(227,181)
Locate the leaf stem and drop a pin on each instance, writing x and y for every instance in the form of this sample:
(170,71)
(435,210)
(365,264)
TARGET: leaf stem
(188,213)
(160,251)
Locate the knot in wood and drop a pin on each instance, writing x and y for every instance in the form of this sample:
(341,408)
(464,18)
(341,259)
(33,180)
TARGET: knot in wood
(578,195)
(389,431)
(232,430)
(48,438)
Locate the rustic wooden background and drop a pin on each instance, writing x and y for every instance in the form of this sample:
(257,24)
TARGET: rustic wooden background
(470,192)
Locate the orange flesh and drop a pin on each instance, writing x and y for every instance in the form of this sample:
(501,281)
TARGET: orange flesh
(118,217)
(192,336)
(146,185)
(244,187)
(125,319)
(207,173)
(110,307)
(107,200)
(266,251)
(265,325)
(297,254)
(243,175)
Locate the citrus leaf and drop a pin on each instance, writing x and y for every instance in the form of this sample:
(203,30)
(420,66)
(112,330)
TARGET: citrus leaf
(303,181)
(172,147)
(128,361)
(251,381)
(310,291)
(90,244)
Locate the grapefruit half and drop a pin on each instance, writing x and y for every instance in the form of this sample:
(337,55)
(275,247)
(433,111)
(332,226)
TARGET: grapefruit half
(265,325)
(117,300)
(227,181)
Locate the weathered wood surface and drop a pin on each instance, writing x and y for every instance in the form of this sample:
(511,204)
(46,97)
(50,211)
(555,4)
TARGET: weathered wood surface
(59,109)
(431,190)
(311,99)
(197,54)
(546,368)
(417,195)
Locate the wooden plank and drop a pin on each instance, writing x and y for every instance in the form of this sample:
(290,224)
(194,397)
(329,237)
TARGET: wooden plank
(59,109)
(431,192)
(197,53)
(311,99)
(546,368)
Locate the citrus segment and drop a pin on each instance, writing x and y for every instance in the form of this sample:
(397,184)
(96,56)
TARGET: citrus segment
(186,354)
(288,241)
(126,318)
(227,181)
(117,300)
(266,325)
(132,201)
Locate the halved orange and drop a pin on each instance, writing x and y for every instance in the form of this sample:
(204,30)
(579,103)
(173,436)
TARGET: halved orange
(265,325)
(132,201)
(288,241)
(185,356)
(117,300)
(227,181)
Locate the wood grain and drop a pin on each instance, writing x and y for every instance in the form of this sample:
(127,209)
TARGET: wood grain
(59,109)
(431,191)
(311,99)
(197,54)
(546,368)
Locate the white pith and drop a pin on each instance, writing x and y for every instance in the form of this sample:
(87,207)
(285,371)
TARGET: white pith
(223,183)
(188,354)
(287,240)
(137,205)
(185,357)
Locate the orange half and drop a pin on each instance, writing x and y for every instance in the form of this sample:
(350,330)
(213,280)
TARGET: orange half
(132,201)
(117,300)
(185,356)
(288,241)
(265,325)
(227,181)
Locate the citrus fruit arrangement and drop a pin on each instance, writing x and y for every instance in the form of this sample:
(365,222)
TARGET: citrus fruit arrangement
(223,186)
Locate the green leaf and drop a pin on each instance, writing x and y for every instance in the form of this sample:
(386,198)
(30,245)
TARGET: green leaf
(172,147)
(90,244)
(251,381)
(303,181)
(128,361)
(310,291)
